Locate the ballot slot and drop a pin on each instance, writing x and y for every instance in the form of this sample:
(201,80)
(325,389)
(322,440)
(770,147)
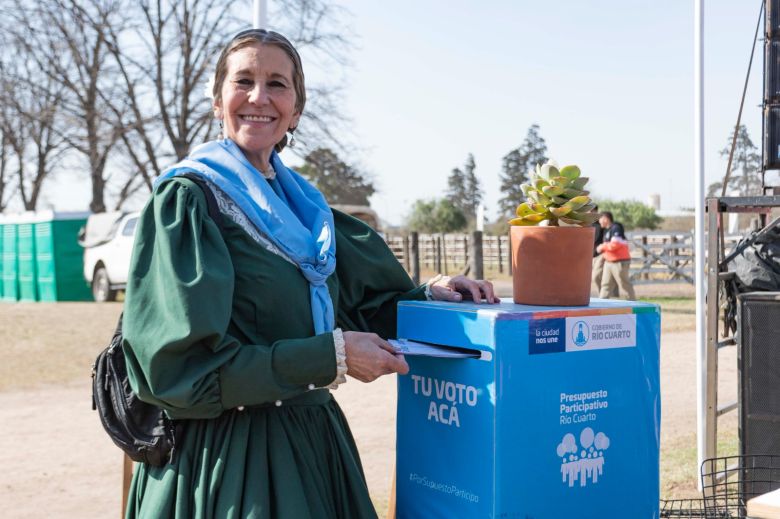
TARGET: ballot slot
(442,351)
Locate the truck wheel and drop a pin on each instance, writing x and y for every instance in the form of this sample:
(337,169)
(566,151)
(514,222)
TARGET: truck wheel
(101,286)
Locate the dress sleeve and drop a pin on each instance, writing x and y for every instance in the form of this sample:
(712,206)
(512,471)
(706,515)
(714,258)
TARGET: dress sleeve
(177,311)
(371,280)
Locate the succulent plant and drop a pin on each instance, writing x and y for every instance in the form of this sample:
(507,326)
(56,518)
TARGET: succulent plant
(555,197)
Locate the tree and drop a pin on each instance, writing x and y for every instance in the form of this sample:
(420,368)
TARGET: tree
(472,195)
(164,81)
(339,182)
(171,73)
(499,227)
(69,41)
(473,186)
(5,160)
(316,28)
(30,120)
(463,189)
(436,216)
(632,214)
(515,167)
(456,187)
(133,77)
(745,177)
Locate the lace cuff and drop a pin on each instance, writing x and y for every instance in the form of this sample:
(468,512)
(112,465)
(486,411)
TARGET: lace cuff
(341,359)
(429,285)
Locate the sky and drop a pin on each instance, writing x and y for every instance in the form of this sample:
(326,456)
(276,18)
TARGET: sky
(609,82)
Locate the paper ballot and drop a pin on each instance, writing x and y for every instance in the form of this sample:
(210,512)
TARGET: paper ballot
(407,347)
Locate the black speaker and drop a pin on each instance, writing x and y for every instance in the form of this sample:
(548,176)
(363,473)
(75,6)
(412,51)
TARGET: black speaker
(772,136)
(772,71)
(772,18)
(758,330)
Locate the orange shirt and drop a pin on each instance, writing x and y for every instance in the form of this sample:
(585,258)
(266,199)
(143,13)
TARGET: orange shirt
(616,250)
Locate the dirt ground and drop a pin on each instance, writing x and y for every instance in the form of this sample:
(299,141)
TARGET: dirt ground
(58,462)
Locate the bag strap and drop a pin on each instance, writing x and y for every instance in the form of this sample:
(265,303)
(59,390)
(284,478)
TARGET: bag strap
(211,200)
(116,339)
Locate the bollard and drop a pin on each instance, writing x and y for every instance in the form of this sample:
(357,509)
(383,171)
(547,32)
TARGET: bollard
(405,245)
(500,261)
(437,254)
(414,256)
(477,269)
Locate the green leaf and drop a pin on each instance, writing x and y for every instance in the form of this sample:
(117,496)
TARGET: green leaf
(549,171)
(560,182)
(570,172)
(524,209)
(558,200)
(570,221)
(571,192)
(560,211)
(585,218)
(525,188)
(579,183)
(540,183)
(539,198)
(577,202)
(521,222)
(536,218)
(552,191)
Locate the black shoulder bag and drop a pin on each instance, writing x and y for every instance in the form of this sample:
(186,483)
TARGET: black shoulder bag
(140,429)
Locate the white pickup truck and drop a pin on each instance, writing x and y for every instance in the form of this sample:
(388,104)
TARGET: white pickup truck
(108,244)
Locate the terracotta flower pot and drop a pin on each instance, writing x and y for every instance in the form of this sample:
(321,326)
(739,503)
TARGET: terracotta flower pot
(552,265)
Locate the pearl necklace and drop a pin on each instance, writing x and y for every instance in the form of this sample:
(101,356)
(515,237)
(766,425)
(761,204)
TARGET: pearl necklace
(270,174)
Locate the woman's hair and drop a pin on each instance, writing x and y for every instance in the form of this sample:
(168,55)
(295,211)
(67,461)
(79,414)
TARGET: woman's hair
(263,37)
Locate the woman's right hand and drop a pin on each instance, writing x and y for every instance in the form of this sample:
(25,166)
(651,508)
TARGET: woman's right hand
(369,357)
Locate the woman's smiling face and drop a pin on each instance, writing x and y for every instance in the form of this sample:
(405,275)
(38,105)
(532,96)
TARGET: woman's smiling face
(257,104)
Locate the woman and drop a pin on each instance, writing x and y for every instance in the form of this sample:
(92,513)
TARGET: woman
(236,329)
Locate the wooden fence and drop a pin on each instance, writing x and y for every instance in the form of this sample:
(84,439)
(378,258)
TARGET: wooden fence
(656,256)
(451,254)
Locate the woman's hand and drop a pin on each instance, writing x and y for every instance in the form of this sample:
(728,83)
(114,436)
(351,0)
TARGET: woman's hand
(460,287)
(369,357)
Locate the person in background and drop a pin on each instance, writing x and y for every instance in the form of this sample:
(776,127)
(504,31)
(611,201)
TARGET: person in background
(617,258)
(598,260)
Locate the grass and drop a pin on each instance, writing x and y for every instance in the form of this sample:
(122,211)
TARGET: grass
(678,314)
(679,467)
(672,302)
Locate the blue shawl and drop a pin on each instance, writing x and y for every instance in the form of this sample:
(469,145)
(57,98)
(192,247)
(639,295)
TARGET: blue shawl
(292,213)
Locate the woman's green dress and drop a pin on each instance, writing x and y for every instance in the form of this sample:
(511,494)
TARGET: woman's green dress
(218,332)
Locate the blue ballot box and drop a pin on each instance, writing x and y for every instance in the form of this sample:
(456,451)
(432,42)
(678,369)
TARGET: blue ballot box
(558,418)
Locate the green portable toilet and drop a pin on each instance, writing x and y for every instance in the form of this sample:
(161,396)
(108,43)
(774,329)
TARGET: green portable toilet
(25,252)
(60,258)
(2,223)
(10,275)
